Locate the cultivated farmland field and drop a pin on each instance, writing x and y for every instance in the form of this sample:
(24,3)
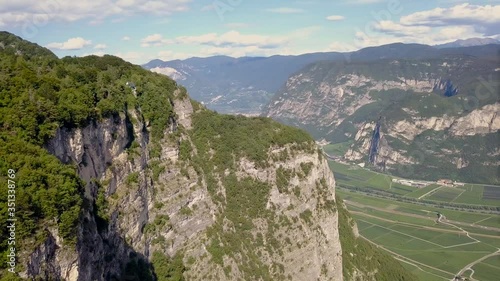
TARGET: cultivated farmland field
(491,193)
(446,194)
(351,176)
(465,243)
(431,250)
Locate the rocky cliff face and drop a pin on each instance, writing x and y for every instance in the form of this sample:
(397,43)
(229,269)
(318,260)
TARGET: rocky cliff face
(329,103)
(394,113)
(157,201)
(479,123)
(99,150)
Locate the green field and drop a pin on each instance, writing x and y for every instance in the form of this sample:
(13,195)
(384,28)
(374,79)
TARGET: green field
(446,194)
(408,209)
(427,275)
(351,176)
(410,232)
(485,272)
(493,261)
(337,149)
(421,191)
(473,194)
(487,269)
(428,248)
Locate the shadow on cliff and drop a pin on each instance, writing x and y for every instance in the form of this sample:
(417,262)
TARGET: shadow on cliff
(104,254)
(102,251)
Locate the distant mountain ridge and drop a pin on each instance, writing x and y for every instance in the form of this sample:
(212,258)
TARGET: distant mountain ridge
(245,85)
(235,85)
(468,43)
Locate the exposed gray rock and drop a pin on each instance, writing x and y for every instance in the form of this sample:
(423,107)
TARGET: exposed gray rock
(109,152)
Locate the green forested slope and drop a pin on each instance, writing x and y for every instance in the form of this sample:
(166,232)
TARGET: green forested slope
(40,93)
(361,259)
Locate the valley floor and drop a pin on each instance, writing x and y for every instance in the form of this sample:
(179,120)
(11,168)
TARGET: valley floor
(434,242)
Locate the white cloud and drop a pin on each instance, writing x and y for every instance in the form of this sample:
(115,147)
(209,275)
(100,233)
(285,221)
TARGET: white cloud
(236,44)
(435,26)
(170,55)
(411,35)
(135,57)
(39,13)
(125,38)
(251,51)
(230,39)
(459,14)
(335,18)
(363,40)
(392,28)
(484,19)
(340,47)
(100,46)
(452,33)
(72,44)
(285,10)
(152,40)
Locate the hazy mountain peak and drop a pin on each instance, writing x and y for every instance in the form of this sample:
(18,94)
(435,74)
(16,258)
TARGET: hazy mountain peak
(468,42)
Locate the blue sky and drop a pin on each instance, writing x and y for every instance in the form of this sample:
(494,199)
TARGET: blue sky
(139,30)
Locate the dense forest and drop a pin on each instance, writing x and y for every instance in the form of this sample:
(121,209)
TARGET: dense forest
(40,93)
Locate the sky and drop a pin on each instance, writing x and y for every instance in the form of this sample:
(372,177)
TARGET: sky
(139,31)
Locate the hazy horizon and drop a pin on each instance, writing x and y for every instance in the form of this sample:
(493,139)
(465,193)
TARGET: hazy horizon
(139,31)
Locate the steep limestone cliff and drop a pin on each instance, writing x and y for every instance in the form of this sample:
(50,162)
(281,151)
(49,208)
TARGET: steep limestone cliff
(296,238)
(401,141)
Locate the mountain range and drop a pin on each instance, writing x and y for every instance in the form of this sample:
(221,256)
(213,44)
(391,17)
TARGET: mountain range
(412,110)
(469,43)
(246,85)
